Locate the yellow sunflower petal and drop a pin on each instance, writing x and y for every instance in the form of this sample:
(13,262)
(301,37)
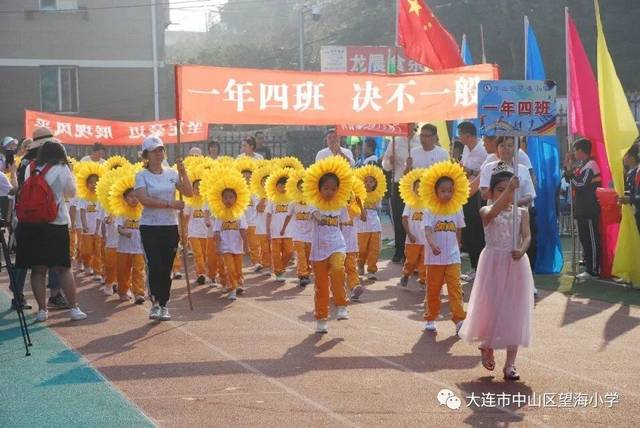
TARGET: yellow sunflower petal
(332,165)
(259,175)
(196,172)
(83,171)
(214,184)
(118,204)
(272,183)
(376,172)
(358,191)
(288,162)
(103,188)
(115,162)
(406,186)
(244,164)
(460,188)
(296,176)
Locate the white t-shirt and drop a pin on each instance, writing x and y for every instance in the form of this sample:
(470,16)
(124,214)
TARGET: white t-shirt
(444,234)
(399,149)
(230,237)
(5,185)
(160,186)
(88,159)
(373,220)
(131,245)
(63,185)
(474,159)
(261,219)
(523,159)
(424,159)
(279,213)
(526,184)
(416,224)
(255,156)
(93,214)
(327,236)
(75,202)
(250,213)
(350,234)
(326,152)
(197,227)
(111,231)
(302,222)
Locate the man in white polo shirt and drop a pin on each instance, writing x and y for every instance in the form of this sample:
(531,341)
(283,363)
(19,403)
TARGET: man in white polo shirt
(429,152)
(333,148)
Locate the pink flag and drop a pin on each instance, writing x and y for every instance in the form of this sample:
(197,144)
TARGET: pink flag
(585,121)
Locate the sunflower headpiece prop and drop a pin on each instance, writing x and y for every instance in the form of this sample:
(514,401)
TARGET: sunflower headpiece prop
(191,162)
(245,164)
(289,162)
(357,192)
(214,186)
(337,167)
(195,175)
(115,162)
(296,178)
(224,161)
(259,175)
(84,171)
(103,189)
(375,172)
(122,185)
(271,186)
(408,193)
(436,172)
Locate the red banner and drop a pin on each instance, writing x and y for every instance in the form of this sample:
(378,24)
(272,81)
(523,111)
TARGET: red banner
(85,131)
(247,96)
(380,130)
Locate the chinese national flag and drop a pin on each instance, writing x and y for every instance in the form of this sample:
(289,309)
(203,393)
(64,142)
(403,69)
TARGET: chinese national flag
(424,39)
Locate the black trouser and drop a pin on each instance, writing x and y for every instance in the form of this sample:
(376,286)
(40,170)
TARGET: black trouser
(397,207)
(532,252)
(589,234)
(160,245)
(473,233)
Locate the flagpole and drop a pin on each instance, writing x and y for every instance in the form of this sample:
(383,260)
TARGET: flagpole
(484,58)
(569,137)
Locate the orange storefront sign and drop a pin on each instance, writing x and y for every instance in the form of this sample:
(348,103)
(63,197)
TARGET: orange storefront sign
(86,131)
(248,96)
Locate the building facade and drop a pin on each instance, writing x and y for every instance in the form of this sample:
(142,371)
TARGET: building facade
(86,58)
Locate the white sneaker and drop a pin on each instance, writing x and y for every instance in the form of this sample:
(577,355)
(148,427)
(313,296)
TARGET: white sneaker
(280,278)
(322,326)
(154,313)
(232,295)
(342,313)
(42,315)
(584,276)
(177,275)
(164,314)
(470,276)
(107,290)
(372,276)
(76,314)
(356,293)
(430,326)
(535,292)
(458,327)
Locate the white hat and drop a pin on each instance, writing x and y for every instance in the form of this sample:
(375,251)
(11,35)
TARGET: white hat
(151,143)
(195,151)
(8,140)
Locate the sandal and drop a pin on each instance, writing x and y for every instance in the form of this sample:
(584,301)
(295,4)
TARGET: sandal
(510,373)
(487,358)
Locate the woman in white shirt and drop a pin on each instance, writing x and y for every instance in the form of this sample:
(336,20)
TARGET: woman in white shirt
(155,188)
(46,245)
(249,149)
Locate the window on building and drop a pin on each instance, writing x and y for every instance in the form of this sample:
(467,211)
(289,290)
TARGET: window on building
(58,4)
(59,89)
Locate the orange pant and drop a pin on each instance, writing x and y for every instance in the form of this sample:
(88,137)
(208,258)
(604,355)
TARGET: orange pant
(437,275)
(281,251)
(351,270)
(73,243)
(414,258)
(110,265)
(265,251)
(254,245)
(131,273)
(233,263)
(303,250)
(91,253)
(369,246)
(199,249)
(215,263)
(330,270)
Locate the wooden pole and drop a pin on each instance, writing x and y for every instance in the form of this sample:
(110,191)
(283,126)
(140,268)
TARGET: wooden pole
(183,232)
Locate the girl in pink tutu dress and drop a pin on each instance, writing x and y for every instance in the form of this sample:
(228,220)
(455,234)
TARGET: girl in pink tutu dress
(500,311)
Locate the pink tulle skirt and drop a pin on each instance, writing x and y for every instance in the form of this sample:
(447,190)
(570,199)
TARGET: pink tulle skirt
(500,311)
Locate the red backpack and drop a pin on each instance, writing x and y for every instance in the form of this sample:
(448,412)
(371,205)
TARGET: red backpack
(36,202)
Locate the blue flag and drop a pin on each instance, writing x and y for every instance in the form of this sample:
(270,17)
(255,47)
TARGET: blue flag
(465,53)
(545,159)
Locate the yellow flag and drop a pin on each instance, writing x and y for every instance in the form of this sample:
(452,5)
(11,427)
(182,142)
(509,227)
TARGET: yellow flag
(620,130)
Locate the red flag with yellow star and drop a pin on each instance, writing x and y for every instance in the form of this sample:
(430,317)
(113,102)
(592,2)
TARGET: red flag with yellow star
(424,39)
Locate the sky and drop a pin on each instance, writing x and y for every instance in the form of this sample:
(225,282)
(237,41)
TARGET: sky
(189,15)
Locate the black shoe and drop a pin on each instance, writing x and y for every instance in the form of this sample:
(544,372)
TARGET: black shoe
(239,290)
(304,281)
(139,300)
(404,281)
(23,301)
(58,302)
(397,259)
(201,280)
